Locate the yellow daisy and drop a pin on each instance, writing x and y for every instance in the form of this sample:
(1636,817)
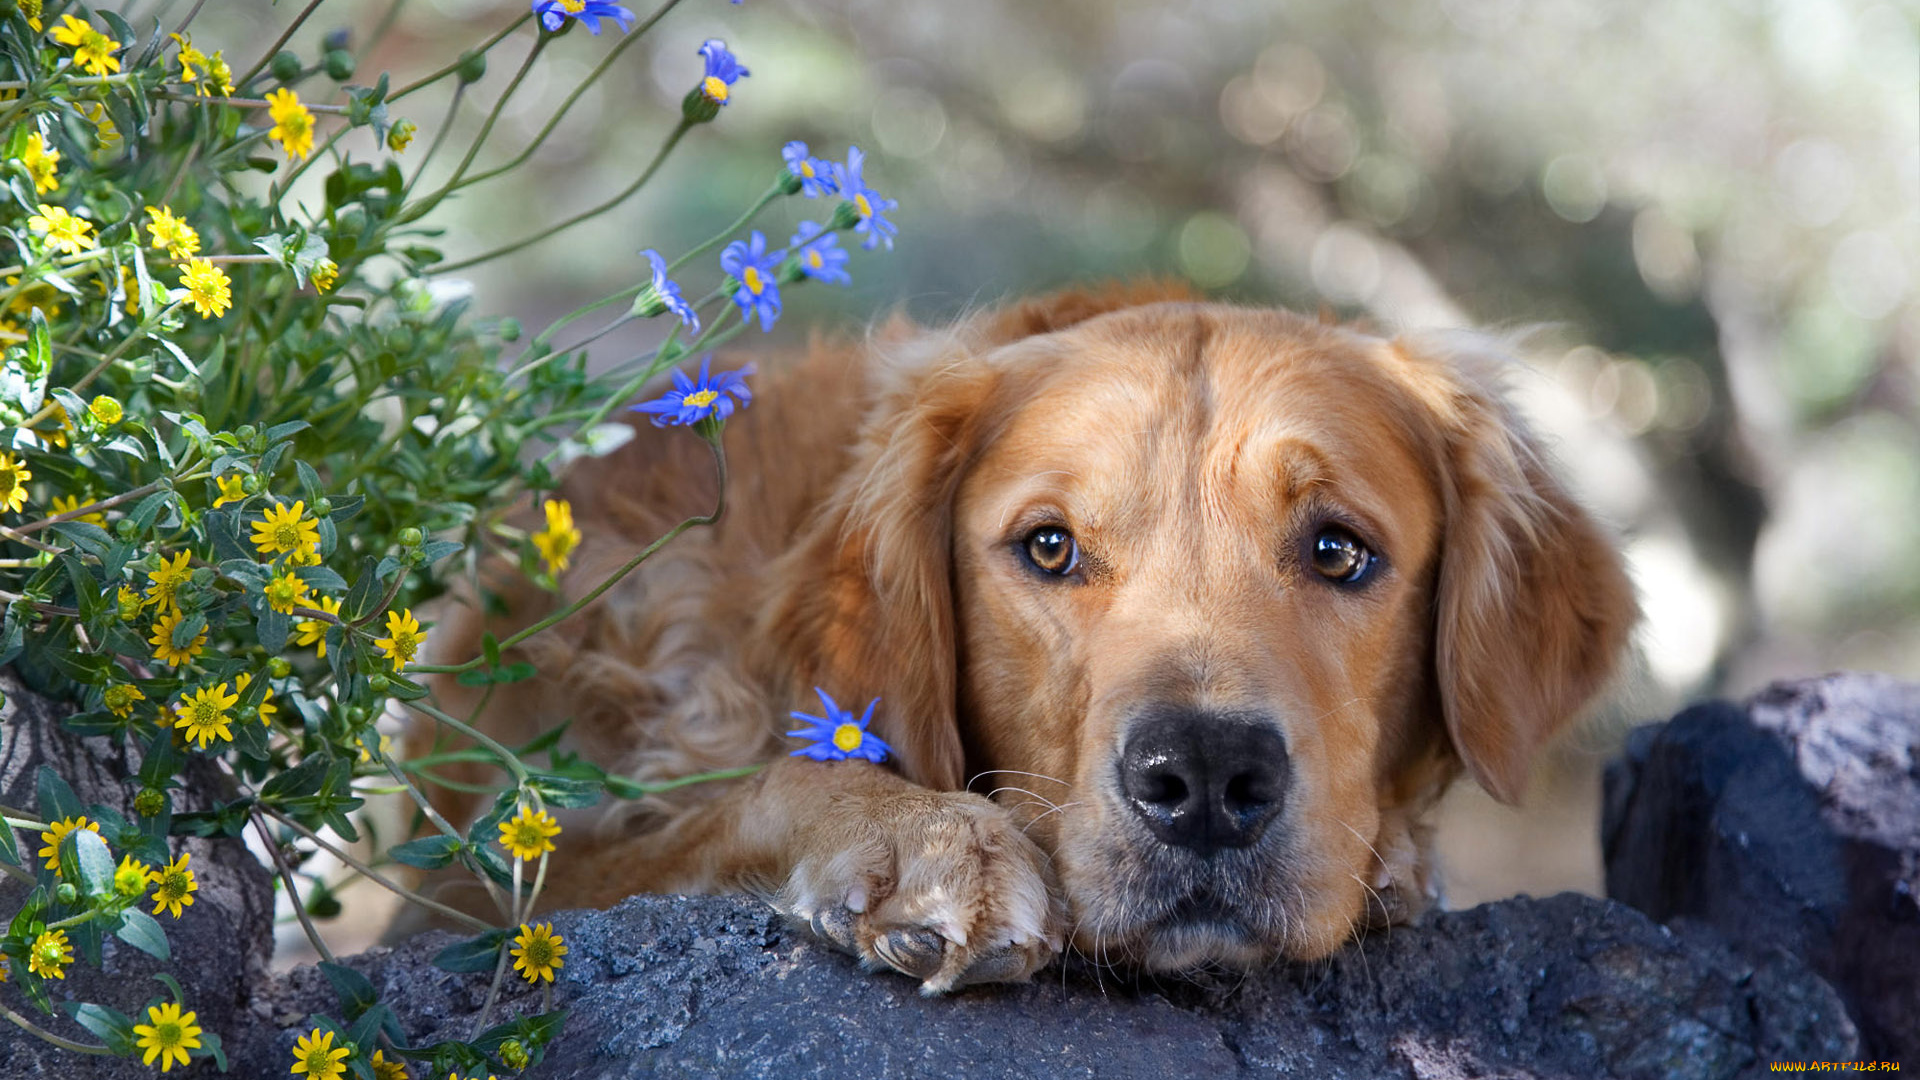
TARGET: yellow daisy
(92,50)
(42,161)
(315,630)
(163,585)
(528,834)
(314,1055)
(64,232)
(63,504)
(31,9)
(292,123)
(403,638)
(266,708)
(132,879)
(325,274)
(190,58)
(286,592)
(208,290)
(557,541)
(120,697)
(50,955)
(176,886)
(57,832)
(171,234)
(387,1070)
(287,529)
(169,1036)
(537,952)
(219,76)
(231,489)
(14,475)
(162,640)
(203,714)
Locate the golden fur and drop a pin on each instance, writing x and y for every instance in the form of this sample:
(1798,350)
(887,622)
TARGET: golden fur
(877,495)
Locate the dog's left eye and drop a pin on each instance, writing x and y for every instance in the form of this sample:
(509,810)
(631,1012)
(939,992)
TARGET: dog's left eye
(1340,556)
(1052,550)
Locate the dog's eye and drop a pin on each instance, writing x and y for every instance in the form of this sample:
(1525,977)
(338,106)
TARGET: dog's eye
(1338,555)
(1051,550)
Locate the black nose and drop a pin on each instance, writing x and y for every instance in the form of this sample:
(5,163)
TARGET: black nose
(1202,780)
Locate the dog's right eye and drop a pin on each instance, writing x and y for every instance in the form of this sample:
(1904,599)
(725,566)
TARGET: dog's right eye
(1051,550)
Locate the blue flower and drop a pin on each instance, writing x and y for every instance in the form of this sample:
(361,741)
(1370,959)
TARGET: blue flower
(815,176)
(869,203)
(820,254)
(722,71)
(693,400)
(755,267)
(663,294)
(838,736)
(555,13)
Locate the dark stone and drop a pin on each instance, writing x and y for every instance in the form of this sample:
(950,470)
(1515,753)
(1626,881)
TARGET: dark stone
(1790,823)
(221,945)
(1570,986)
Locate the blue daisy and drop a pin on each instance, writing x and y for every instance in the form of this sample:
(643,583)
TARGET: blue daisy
(815,176)
(869,203)
(555,13)
(755,268)
(663,294)
(723,70)
(820,254)
(837,736)
(693,400)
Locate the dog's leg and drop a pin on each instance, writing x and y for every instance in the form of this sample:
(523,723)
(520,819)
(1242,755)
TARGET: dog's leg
(940,885)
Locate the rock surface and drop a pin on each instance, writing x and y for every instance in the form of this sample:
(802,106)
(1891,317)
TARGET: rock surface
(1790,823)
(1570,986)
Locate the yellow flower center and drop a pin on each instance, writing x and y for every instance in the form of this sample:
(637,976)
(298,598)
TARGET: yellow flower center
(701,399)
(806,169)
(204,714)
(754,282)
(539,952)
(715,88)
(814,260)
(573,7)
(7,483)
(166,1034)
(173,883)
(861,204)
(847,737)
(286,534)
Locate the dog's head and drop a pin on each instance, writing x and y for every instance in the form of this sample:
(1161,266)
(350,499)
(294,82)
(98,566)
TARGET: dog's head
(1220,599)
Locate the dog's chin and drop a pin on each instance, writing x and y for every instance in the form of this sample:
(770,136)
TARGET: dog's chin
(1200,938)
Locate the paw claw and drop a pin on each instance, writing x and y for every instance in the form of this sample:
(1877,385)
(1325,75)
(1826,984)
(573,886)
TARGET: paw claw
(835,925)
(914,952)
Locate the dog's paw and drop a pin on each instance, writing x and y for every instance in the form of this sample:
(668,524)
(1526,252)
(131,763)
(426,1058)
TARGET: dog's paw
(940,886)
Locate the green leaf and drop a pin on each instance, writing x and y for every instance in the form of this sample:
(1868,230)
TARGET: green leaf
(490,648)
(303,779)
(428,853)
(89,537)
(474,954)
(309,482)
(39,348)
(57,800)
(286,431)
(272,628)
(9,850)
(519,671)
(86,862)
(29,911)
(138,929)
(224,530)
(566,791)
(114,1028)
(434,550)
(357,995)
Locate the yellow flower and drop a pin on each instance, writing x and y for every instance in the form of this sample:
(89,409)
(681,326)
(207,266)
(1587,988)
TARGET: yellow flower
(92,49)
(67,503)
(325,274)
(292,123)
(231,489)
(537,952)
(266,708)
(120,698)
(50,955)
(286,529)
(170,1035)
(128,601)
(162,640)
(207,288)
(307,556)
(41,161)
(62,423)
(400,136)
(557,541)
(176,886)
(528,834)
(170,233)
(387,1070)
(219,76)
(190,58)
(132,879)
(403,638)
(204,714)
(57,832)
(31,9)
(286,592)
(163,585)
(14,475)
(105,410)
(64,232)
(315,630)
(314,1055)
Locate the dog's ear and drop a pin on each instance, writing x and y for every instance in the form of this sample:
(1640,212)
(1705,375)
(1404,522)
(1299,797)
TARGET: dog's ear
(1534,606)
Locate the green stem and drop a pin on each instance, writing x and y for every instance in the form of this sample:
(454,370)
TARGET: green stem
(426,206)
(739,222)
(654,166)
(76,920)
(293,891)
(428,80)
(274,49)
(377,878)
(27,1026)
(506,757)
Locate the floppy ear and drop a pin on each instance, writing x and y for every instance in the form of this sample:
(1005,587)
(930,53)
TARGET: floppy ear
(1534,606)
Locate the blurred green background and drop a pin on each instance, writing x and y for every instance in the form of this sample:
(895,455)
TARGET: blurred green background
(1707,211)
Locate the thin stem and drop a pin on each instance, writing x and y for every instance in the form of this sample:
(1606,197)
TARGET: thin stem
(119,350)
(27,1026)
(273,50)
(652,167)
(191,12)
(427,80)
(506,756)
(244,102)
(17,874)
(293,891)
(753,211)
(493,992)
(427,205)
(82,511)
(376,877)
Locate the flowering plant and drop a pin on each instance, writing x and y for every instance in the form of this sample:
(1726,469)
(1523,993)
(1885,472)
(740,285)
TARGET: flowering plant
(243,437)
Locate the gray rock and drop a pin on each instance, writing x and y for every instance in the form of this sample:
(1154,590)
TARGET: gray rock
(222,944)
(1790,823)
(1570,986)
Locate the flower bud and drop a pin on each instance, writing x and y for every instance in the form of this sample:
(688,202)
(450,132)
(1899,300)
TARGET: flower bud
(514,1053)
(124,528)
(106,411)
(66,893)
(411,537)
(789,183)
(251,485)
(697,107)
(339,65)
(150,802)
(245,434)
(286,66)
(473,68)
(649,303)
(322,507)
(129,604)
(509,330)
(400,136)
(845,216)
(379,684)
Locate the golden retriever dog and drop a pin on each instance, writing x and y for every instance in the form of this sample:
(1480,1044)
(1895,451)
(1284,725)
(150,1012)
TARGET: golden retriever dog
(1180,616)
